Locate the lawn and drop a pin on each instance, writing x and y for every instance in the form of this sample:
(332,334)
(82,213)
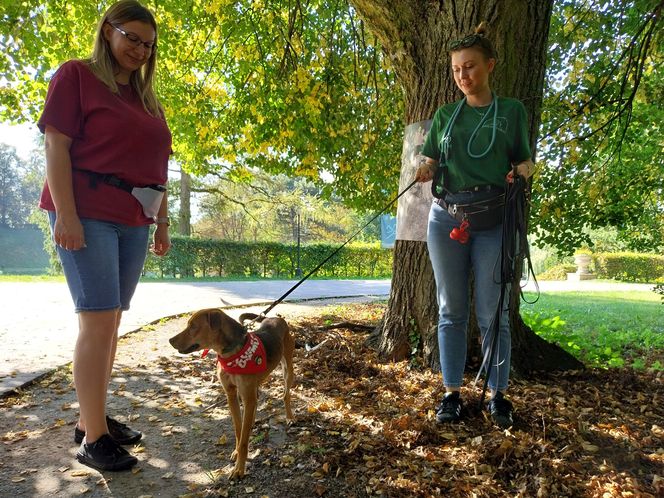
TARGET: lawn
(603,329)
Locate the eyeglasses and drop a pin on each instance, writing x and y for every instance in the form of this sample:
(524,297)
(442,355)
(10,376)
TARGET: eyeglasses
(465,42)
(135,40)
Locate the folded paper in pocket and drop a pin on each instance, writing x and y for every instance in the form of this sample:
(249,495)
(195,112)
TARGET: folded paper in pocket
(150,198)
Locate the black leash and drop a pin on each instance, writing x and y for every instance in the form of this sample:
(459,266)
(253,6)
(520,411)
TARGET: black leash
(514,244)
(278,301)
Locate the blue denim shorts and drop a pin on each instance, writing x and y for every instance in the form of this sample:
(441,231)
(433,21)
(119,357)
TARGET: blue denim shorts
(103,275)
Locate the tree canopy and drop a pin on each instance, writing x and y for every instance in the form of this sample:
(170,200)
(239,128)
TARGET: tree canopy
(303,89)
(601,135)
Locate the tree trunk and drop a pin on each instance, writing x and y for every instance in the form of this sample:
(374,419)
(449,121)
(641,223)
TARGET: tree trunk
(184,218)
(415,35)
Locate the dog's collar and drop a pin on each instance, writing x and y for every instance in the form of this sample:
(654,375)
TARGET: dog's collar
(251,359)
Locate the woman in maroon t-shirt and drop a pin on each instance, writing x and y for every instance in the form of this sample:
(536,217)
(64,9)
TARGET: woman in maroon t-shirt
(101,118)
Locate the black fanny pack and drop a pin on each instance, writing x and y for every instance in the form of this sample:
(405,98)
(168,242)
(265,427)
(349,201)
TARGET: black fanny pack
(149,196)
(480,215)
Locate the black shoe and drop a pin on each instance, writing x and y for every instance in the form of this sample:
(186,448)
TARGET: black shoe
(449,409)
(105,454)
(118,431)
(501,411)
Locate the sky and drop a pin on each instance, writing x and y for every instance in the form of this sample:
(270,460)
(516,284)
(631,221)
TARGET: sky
(23,137)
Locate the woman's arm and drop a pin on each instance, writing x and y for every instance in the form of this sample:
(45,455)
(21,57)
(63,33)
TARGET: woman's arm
(162,240)
(67,231)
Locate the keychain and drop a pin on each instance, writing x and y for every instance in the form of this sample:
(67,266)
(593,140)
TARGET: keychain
(462,233)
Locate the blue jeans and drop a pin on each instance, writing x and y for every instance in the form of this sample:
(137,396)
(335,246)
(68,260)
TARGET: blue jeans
(104,274)
(452,263)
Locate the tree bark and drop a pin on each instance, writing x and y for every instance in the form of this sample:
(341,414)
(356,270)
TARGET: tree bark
(415,35)
(184,217)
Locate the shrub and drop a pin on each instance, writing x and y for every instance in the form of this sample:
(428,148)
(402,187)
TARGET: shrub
(558,272)
(630,267)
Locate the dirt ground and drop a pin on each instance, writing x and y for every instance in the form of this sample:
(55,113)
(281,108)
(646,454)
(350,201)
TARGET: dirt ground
(363,428)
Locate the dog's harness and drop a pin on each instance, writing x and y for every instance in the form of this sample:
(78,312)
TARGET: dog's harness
(251,359)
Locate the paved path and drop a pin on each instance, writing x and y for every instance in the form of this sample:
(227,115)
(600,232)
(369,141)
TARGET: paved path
(38,326)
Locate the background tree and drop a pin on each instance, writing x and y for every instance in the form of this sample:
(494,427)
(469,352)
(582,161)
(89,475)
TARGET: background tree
(267,209)
(601,138)
(20,185)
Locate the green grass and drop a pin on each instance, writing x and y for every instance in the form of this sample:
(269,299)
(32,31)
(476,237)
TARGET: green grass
(32,278)
(602,329)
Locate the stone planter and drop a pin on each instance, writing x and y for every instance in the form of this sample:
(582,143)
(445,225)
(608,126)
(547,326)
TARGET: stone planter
(582,262)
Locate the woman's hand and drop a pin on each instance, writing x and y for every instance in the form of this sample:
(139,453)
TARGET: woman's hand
(162,241)
(525,169)
(68,232)
(425,170)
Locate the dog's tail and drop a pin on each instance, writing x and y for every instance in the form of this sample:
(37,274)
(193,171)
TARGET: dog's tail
(250,316)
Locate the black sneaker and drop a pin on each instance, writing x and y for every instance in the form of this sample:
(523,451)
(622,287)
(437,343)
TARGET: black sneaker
(449,409)
(105,454)
(501,411)
(118,431)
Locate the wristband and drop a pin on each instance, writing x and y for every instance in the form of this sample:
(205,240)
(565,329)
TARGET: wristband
(163,221)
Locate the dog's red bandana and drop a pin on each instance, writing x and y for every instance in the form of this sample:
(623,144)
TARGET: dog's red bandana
(250,359)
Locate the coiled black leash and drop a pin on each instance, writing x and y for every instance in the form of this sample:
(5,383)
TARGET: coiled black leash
(287,293)
(514,244)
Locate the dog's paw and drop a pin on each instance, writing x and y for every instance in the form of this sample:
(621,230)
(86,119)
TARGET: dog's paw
(234,455)
(237,473)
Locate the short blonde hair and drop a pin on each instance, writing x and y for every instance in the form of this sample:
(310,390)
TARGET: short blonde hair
(104,66)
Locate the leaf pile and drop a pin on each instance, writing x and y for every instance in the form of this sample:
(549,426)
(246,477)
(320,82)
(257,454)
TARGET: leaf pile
(592,433)
(363,428)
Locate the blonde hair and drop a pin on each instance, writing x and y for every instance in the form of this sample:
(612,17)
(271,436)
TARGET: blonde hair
(478,40)
(104,66)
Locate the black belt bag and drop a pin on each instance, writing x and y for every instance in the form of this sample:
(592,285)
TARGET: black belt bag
(481,215)
(149,196)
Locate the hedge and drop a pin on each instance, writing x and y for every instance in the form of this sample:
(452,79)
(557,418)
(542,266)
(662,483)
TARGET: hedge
(21,250)
(192,257)
(557,272)
(630,267)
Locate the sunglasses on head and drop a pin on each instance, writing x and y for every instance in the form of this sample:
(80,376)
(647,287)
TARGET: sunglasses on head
(465,42)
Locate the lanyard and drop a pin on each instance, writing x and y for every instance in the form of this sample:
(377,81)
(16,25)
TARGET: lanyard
(446,140)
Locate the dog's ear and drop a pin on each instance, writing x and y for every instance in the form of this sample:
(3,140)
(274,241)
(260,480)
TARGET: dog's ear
(214,318)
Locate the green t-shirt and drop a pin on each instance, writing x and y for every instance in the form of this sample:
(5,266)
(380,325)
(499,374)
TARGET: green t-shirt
(511,145)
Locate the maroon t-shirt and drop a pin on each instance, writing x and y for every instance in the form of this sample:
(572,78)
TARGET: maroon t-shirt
(110,134)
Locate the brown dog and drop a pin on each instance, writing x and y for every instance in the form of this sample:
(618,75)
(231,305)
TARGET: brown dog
(242,364)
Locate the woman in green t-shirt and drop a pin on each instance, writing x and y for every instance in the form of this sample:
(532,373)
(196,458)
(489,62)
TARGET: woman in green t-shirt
(476,143)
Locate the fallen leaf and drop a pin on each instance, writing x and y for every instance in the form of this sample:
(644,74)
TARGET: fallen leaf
(589,447)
